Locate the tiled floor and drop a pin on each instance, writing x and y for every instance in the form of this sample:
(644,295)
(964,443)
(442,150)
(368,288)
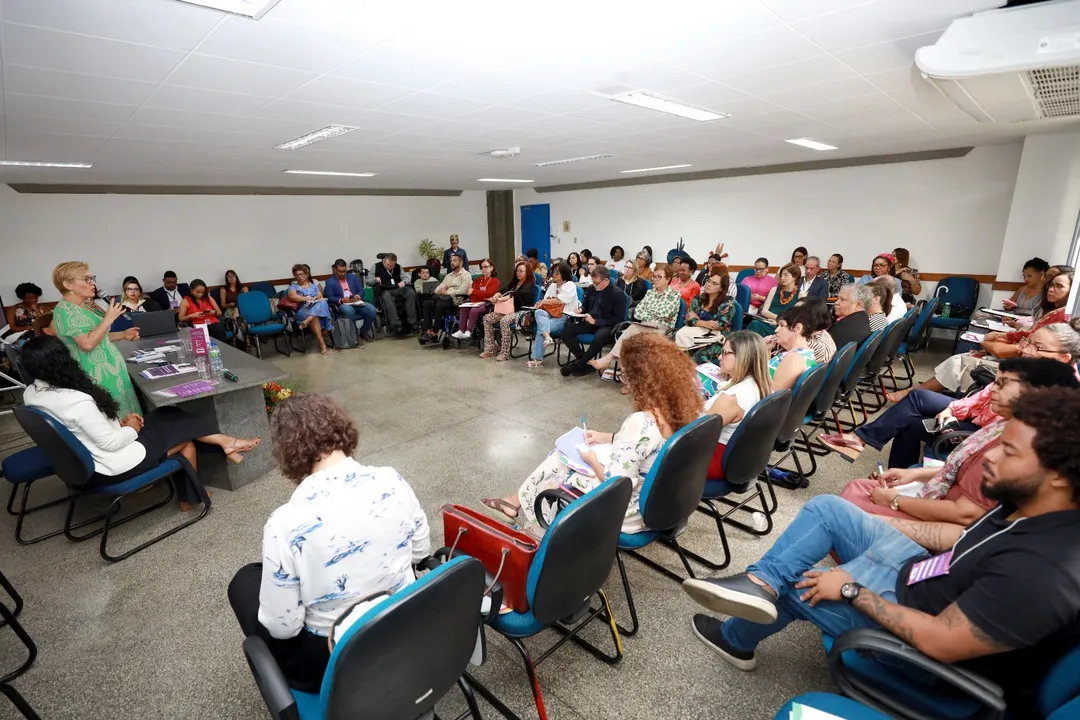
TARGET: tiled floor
(153,636)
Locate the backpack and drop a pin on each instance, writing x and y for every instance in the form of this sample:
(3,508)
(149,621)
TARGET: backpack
(343,333)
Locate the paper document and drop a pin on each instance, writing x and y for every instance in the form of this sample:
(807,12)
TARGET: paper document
(805,712)
(1000,313)
(994,325)
(972,337)
(470,304)
(570,446)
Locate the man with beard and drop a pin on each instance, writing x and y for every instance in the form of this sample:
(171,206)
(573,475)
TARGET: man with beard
(1000,597)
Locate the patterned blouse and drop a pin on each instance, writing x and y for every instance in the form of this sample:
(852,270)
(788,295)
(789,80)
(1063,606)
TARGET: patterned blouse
(661,307)
(837,281)
(724,313)
(347,532)
(1058,315)
(938,486)
(975,408)
(878,321)
(823,345)
(633,452)
(25,317)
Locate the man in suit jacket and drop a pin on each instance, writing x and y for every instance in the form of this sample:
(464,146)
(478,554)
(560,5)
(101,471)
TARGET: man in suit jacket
(814,284)
(169,295)
(853,321)
(604,307)
(345,291)
(391,286)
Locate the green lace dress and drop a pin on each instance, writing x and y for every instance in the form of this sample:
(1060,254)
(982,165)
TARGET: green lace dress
(104,364)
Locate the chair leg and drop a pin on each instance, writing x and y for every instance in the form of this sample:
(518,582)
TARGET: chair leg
(472,709)
(153,541)
(744,506)
(495,702)
(530,669)
(723,543)
(24,637)
(634,625)
(24,511)
(114,506)
(19,702)
(13,594)
(573,634)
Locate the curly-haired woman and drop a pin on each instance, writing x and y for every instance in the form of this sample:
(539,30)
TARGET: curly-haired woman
(663,383)
(27,310)
(348,532)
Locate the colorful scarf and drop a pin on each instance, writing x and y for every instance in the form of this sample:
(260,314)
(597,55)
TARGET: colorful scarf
(941,483)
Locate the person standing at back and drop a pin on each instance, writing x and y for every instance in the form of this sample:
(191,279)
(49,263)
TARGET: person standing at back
(455,249)
(171,293)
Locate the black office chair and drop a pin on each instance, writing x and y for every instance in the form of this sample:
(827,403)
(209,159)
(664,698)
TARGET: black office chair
(10,616)
(821,410)
(803,394)
(872,380)
(845,398)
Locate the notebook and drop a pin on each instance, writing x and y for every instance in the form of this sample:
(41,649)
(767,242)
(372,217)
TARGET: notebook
(571,444)
(159,371)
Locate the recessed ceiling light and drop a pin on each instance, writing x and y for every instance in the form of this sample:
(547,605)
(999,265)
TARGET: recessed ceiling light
(253,9)
(503,180)
(324,134)
(652,102)
(812,144)
(663,167)
(21,163)
(328,172)
(573,160)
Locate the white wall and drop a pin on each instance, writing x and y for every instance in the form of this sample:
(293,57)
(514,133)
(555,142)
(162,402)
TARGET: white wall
(951,214)
(259,236)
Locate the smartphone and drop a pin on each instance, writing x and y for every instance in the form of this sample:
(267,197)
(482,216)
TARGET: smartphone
(930,424)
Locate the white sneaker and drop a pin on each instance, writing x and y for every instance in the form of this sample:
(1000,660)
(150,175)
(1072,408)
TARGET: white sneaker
(466,335)
(456,334)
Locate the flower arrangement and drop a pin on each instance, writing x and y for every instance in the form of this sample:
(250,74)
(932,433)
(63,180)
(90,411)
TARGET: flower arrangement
(274,393)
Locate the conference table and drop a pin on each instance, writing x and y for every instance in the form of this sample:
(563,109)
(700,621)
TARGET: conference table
(233,408)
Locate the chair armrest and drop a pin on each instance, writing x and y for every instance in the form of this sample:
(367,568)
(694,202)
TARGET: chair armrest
(270,680)
(560,496)
(988,694)
(940,447)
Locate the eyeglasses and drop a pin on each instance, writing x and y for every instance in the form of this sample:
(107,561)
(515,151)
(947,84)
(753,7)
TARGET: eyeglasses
(728,352)
(760,269)
(1002,381)
(1041,348)
(89,278)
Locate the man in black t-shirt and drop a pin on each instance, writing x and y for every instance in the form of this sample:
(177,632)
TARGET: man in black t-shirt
(1000,597)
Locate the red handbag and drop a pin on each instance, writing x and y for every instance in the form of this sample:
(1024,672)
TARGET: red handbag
(504,552)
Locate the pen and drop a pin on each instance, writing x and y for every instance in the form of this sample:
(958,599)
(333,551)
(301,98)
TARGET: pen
(583,428)
(880,474)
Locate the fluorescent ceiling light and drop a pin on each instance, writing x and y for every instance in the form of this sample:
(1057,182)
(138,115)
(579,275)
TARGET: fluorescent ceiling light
(21,163)
(573,160)
(812,144)
(665,167)
(503,180)
(253,9)
(328,172)
(324,134)
(652,102)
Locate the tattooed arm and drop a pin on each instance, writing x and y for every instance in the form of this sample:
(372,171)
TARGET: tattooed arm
(934,536)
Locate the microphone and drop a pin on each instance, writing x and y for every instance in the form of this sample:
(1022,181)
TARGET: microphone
(100,295)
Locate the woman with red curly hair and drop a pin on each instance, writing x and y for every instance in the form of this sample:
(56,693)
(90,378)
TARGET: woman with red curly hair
(663,384)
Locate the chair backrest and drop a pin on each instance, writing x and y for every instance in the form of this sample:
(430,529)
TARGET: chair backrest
(891,337)
(614,274)
(672,488)
(627,302)
(577,552)
(1061,684)
(742,296)
(743,274)
(862,358)
(738,317)
(262,287)
(648,285)
(748,450)
(922,322)
(539,294)
(838,370)
(383,665)
(680,319)
(254,307)
(14,356)
(803,394)
(70,459)
(963,291)
(538,280)
(580,294)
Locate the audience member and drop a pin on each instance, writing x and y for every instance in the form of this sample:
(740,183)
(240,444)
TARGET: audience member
(880,305)
(710,319)
(911,288)
(618,259)
(551,314)
(1006,606)
(586,256)
(814,283)
(744,363)
(647,249)
(793,331)
(451,292)
(884,264)
(1029,295)
(643,265)
(312,311)
(590,265)
(603,308)
(348,533)
(455,249)
(532,256)
(663,383)
(837,277)
(712,267)
(133,299)
(852,320)
(542,271)
(170,294)
(26,310)
(951,493)
(230,292)
(895,309)
(423,276)
(346,292)
(122,446)
(683,280)
(760,283)
(391,285)
(483,289)
(781,297)
(820,319)
(578,270)
(518,293)
(798,256)
(85,331)
(631,284)
(198,308)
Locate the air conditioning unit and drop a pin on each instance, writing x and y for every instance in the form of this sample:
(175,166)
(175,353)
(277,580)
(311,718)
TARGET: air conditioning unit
(1011,65)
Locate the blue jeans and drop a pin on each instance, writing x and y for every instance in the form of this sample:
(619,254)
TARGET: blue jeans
(902,423)
(545,324)
(365,312)
(870,550)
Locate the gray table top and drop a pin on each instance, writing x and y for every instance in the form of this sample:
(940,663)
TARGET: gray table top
(250,370)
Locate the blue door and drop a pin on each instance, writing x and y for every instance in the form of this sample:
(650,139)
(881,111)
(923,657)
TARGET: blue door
(536,230)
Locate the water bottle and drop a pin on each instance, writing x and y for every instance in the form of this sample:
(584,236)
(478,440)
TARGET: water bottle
(216,364)
(946,310)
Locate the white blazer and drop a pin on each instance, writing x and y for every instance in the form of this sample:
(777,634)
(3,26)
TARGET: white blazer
(112,445)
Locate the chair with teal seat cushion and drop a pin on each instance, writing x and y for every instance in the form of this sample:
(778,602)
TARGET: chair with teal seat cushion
(836,705)
(961,293)
(805,391)
(261,320)
(22,469)
(742,297)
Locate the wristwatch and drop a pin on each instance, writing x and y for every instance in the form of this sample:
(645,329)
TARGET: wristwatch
(894,504)
(850,591)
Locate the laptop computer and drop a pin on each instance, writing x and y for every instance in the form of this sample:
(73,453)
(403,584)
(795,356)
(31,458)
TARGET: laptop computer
(150,324)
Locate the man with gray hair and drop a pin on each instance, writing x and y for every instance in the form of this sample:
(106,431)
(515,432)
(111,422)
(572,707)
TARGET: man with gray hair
(815,283)
(852,317)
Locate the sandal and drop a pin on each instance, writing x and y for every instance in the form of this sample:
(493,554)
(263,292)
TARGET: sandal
(625,390)
(534,363)
(501,506)
(502,358)
(486,355)
(548,342)
(240,445)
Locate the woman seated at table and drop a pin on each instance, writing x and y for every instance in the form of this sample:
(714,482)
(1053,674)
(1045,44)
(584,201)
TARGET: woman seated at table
(84,328)
(631,284)
(348,532)
(483,289)
(780,298)
(953,493)
(710,314)
(229,294)
(122,446)
(312,312)
(793,331)
(521,290)
(663,383)
(26,310)
(954,374)
(744,363)
(656,313)
(820,318)
(134,299)
(199,308)
(560,297)
(1028,296)
(879,306)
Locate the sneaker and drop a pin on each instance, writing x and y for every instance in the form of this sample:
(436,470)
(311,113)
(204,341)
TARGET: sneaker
(708,631)
(583,370)
(456,334)
(466,335)
(737,596)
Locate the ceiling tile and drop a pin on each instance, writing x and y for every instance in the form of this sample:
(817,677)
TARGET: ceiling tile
(888,55)
(432,106)
(211,73)
(557,125)
(332,90)
(830,111)
(794,10)
(375,21)
(174,97)
(181,119)
(779,46)
(687,25)
(654,78)
(562,100)
(396,63)
(800,98)
(453,129)
(306,112)
(174,25)
(390,122)
(74,86)
(792,75)
(493,87)
(65,109)
(26,123)
(281,130)
(898,79)
(53,50)
(36,147)
(500,116)
(157,132)
(272,42)
(707,94)
(246,139)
